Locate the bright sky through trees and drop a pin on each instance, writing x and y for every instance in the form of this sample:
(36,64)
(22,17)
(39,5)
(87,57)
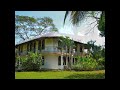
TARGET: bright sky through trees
(58,17)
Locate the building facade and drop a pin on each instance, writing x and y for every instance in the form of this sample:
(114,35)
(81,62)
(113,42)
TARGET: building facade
(52,56)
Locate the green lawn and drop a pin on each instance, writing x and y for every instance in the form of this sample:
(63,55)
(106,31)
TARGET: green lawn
(61,75)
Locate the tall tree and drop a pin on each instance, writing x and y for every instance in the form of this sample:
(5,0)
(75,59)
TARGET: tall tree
(77,17)
(96,51)
(68,44)
(26,27)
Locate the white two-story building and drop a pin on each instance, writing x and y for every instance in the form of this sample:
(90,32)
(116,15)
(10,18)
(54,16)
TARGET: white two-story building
(48,46)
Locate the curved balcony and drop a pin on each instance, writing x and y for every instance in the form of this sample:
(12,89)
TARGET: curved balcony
(51,50)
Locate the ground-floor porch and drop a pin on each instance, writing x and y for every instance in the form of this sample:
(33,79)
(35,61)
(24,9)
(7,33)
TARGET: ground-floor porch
(57,61)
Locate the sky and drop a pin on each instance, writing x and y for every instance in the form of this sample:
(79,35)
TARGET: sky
(68,28)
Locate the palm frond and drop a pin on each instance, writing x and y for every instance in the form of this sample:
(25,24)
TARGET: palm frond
(77,16)
(66,14)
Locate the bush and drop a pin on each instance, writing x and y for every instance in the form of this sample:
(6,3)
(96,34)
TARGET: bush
(30,62)
(101,61)
(30,66)
(100,67)
(101,64)
(85,63)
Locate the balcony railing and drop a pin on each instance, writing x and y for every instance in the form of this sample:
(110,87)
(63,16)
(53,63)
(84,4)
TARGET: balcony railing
(50,49)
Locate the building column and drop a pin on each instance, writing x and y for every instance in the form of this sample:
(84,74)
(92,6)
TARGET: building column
(83,49)
(72,60)
(61,61)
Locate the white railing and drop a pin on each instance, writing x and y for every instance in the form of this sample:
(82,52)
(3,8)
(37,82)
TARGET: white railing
(51,49)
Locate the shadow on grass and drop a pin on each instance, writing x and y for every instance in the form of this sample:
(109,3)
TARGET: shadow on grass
(86,76)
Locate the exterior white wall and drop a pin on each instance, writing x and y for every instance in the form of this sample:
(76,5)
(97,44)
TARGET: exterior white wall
(51,62)
(51,44)
(55,42)
(48,42)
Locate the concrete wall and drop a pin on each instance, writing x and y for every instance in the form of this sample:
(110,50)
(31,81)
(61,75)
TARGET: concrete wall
(51,62)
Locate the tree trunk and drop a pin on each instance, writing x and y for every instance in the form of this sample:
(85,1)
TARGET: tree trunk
(66,53)
(70,58)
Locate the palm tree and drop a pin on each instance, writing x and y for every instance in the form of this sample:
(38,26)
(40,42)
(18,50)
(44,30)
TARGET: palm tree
(68,44)
(77,17)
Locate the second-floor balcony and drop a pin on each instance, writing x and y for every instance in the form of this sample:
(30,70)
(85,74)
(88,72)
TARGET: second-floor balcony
(50,49)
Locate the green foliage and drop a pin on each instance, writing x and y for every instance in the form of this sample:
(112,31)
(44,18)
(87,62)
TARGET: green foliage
(101,25)
(101,63)
(96,51)
(26,27)
(30,62)
(68,44)
(99,74)
(77,17)
(85,63)
(66,41)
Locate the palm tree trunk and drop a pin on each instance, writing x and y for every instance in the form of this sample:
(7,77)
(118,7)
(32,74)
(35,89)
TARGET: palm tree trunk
(70,57)
(66,52)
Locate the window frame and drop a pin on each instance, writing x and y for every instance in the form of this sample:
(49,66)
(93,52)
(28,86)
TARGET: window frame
(64,60)
(43,60)
(59,60)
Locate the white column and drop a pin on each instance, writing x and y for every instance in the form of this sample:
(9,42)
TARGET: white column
(83,49)
(61,61)
(72,60)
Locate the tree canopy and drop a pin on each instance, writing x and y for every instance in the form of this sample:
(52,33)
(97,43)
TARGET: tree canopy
(26,26)
(77,17)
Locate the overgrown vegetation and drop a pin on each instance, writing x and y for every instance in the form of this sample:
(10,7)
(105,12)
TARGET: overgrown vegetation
(95,60)
(30,62)
(85,63)
(67,44)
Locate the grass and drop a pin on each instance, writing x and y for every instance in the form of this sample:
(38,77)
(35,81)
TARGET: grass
(61,75)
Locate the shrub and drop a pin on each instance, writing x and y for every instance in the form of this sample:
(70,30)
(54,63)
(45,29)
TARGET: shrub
(101,61)
(85,63)
(30,62)
(30,66)
(101,64)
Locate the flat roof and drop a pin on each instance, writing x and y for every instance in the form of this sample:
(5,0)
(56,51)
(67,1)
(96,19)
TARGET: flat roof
(56,34)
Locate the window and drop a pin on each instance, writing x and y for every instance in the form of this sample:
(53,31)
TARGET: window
(31,46)
(19,49)
(34,47)
(80,49)
(27,48)
(43,59)
(43,44)
(68,60)
(68,50)
(73,60)
(75,47)
(64,60)
(39,45)
(59,43)
(59,60)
